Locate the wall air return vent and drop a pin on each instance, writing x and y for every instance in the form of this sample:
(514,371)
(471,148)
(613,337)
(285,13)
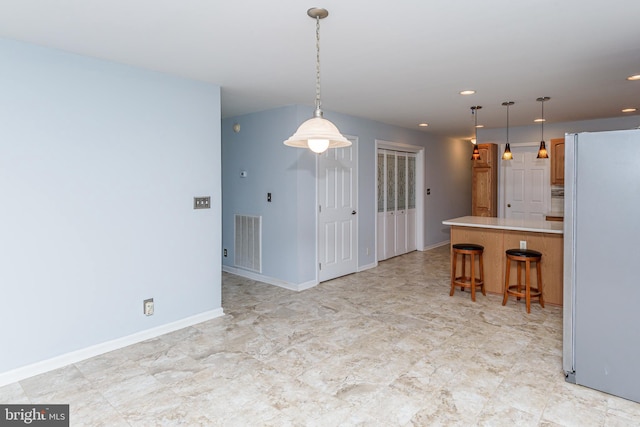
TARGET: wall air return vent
(248,242)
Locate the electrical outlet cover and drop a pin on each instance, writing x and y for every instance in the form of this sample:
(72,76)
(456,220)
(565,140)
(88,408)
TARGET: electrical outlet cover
(148,307)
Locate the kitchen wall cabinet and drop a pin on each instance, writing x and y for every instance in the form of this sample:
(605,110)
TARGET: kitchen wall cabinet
(557,161)
(487,158)
(484,185)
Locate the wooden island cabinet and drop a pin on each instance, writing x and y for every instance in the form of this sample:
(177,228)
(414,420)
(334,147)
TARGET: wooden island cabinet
(499,234)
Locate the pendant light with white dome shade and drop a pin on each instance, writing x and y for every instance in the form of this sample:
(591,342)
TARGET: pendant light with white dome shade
(318,134)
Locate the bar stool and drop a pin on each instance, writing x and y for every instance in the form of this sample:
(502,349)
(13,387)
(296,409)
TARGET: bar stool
(470,250)
(526,256)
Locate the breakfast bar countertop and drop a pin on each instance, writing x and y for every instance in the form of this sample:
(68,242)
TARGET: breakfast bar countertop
(530,225)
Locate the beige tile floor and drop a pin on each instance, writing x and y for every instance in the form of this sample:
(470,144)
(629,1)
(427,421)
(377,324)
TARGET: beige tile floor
(385,347)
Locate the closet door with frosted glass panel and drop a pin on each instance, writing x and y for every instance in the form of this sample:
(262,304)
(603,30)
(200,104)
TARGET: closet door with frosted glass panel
(396,175)
(381,191)
(411,203)
(390,206)
(401,204)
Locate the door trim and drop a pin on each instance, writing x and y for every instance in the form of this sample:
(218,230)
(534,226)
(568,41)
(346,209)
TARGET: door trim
(420,174)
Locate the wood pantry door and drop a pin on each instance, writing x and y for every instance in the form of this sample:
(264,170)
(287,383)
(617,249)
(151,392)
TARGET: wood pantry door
(482,193)
(338,212)
(396,188)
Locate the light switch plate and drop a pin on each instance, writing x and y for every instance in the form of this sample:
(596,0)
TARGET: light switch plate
(202,202)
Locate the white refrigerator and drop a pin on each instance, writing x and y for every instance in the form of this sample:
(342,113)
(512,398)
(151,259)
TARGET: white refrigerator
(601,336)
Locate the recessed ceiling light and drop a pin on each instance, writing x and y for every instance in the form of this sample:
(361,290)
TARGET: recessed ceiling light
(634,77)
(479,126)
(467,92)
(539,120)
(629,110)
(423,125)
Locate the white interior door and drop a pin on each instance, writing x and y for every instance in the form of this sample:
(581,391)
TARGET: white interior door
(527,187)
(338,218)
(397,217)
(411,203)
(390,208)
(401,204)
(381,211)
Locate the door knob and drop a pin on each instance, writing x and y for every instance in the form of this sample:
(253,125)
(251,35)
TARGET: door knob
(509,205)
(353,212)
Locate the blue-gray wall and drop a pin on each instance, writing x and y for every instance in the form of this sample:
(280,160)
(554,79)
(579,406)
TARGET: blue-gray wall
(271,167)
(99,163)
(289,228)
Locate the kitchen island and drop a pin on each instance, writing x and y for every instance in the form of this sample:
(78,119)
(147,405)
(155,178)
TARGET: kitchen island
(499,234)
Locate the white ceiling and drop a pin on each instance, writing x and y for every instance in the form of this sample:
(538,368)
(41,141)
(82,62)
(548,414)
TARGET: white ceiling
(400,62)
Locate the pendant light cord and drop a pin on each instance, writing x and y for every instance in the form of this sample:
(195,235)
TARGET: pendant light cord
(318,112)
(542,122)
(475,123)
(508,122)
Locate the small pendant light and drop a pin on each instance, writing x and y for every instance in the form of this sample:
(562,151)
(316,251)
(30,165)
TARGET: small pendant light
(318,134)
(476,152)
(542,152)
(507,150)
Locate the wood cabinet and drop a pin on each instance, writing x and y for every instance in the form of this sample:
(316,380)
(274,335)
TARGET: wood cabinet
(557,161)
(487,156)
(484,185)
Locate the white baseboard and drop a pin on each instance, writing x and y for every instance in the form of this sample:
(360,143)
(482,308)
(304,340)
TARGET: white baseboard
(368,266)
(436,245)
(43,366)
(269,280)
(307,285)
